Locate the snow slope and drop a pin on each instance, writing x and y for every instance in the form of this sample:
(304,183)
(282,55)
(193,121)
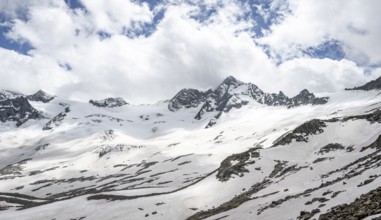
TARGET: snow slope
(147,162)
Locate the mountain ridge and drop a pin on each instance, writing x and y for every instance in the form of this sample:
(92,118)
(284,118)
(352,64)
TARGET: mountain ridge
(372,85)
(225,91)
(232,93)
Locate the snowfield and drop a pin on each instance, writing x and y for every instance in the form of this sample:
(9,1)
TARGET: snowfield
(148,162)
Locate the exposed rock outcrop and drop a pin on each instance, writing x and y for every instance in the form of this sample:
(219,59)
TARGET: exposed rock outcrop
(366,205)
(302,132)
(235,164)
(18,110)
(305,97)
(187,98)
(57,120)
(109,102)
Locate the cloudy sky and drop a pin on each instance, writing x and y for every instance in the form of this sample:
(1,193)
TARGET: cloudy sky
(147,50)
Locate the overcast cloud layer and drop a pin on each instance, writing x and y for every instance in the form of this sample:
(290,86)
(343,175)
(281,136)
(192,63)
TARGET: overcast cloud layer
(147,53)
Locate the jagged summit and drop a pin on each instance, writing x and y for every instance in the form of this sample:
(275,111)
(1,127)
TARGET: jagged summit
(232,93)
(40,96)
(372,85)
(305,97)
(231,81)
(109,102)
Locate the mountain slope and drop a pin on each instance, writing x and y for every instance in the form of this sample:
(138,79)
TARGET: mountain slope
(296,160)
(372,85)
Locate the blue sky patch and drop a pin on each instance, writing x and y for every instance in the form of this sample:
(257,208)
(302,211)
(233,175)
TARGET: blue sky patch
(103,35)
(329,49)
(5,42)
(74,4)
(145,29)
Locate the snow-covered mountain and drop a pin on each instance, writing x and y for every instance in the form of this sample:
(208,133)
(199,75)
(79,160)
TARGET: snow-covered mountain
(40,96)
(233,152)
(233,93)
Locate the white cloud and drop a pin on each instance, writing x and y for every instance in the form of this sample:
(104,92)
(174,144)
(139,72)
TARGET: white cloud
(354,23)
(181,52)
(27,74)
(320,75)
(48,30)
(17,8)
(114,15)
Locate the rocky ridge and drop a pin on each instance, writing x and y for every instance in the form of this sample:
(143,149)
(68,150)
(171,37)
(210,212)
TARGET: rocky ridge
(109,102)
(372,85)
(232,93)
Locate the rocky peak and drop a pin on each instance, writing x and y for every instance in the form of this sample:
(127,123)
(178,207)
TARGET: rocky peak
(109,102)
(305,97)
(372,85)
(187,98)
(227,87)
(17,109)
(281,94)
(232,93)
(231,81)
(40,96)
(211,99)
(305,92)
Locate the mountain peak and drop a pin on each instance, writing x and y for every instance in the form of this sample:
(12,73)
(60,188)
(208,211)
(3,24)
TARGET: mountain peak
(372,85)
(232,93)
(40,96)
(304,92)
(109,102)
(231,80)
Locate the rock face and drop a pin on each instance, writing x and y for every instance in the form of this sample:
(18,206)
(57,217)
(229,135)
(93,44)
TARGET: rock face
(301,133)
(232,93)
(187,98)
(18,110)
(235,164)
(40,96)
(57,120)
(372,85)
(305,97)
(366,205)
(272,99)
(225,97)
(109,102)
